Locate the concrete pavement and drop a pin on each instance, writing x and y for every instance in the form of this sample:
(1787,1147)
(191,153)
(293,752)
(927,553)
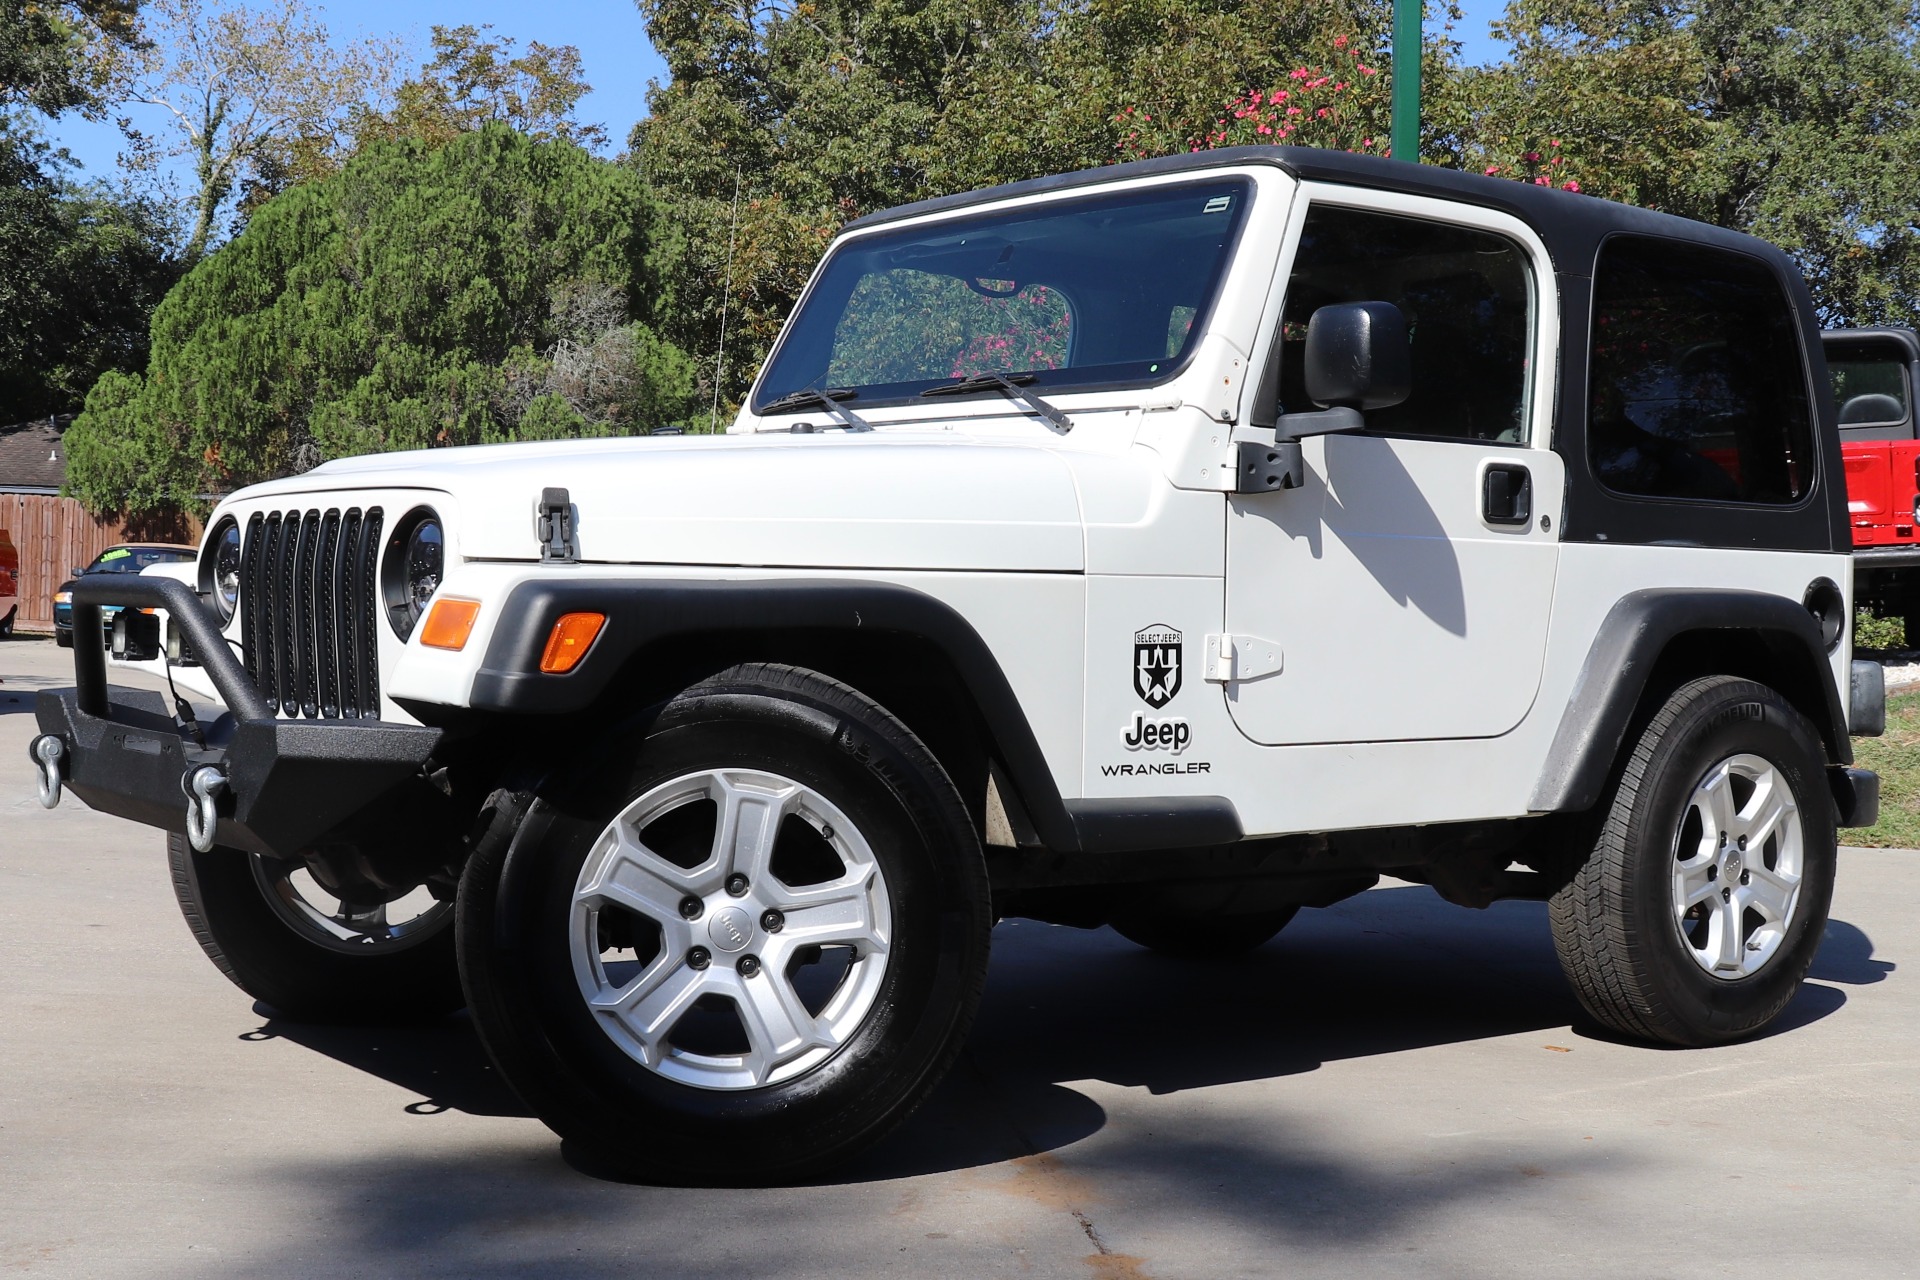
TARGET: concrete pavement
(1392,1087)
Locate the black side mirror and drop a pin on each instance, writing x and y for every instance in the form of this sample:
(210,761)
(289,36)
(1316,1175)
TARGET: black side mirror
(1357,358)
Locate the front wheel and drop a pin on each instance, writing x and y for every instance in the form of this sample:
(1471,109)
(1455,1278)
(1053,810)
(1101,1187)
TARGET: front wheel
(282,938)
(742,940)
(1698,912)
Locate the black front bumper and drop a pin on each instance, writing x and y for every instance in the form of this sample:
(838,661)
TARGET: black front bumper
(288,782)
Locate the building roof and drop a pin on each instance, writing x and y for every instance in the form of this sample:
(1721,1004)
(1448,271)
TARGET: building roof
(32,456)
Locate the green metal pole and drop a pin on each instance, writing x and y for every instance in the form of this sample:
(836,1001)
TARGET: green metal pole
(1407,15)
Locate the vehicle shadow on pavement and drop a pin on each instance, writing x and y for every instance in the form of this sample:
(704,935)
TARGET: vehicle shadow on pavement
(444,1062)
(1390,971)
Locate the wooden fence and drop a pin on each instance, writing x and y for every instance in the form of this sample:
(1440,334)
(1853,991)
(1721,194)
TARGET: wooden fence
(55,535)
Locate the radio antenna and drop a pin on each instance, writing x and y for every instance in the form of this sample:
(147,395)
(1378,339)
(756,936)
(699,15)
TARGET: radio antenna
(726,296)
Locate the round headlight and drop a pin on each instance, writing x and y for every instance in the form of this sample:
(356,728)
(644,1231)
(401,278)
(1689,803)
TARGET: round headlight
(416,557)
(220,569)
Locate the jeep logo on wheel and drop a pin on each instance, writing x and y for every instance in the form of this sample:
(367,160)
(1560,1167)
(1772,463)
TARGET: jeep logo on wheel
(1156,665)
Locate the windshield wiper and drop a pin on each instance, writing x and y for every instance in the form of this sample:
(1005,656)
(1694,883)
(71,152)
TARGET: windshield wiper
(829,400)
(1009,387)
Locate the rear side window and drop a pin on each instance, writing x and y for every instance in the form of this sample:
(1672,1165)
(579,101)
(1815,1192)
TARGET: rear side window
(1697,387)
(1870,387)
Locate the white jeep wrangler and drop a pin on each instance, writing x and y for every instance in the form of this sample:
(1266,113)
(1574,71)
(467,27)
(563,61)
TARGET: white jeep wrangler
(1169,546)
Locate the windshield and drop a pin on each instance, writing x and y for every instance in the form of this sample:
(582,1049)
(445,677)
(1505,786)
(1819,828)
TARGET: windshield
(1109,290)
(134,559)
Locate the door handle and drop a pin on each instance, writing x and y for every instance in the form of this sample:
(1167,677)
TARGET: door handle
(1506,494)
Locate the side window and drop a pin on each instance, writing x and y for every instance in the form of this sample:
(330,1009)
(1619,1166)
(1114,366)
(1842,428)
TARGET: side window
(1468,299)
(1870,386)
(1696,387)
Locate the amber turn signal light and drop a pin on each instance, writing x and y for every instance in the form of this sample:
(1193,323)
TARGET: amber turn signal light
(569,641)
(449,623)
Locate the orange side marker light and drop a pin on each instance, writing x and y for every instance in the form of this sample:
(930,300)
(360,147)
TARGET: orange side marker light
(569,641)
(449,623)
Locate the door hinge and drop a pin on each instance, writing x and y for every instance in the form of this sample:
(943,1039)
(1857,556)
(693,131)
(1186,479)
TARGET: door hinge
(555,527)
(1233,658)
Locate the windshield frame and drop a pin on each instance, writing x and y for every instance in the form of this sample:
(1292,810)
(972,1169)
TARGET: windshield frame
(1248,189)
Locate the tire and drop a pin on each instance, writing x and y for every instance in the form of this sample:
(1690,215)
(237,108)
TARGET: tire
(697,1091)
(1910,622)
(1722,758)
(1202,937)
(278,951)
(64,639)
(6,623)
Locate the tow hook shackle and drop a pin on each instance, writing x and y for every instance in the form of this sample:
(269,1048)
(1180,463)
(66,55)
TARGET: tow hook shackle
(47,752)
(203,787)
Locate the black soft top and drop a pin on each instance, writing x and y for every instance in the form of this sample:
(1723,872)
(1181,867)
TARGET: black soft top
(1570,224)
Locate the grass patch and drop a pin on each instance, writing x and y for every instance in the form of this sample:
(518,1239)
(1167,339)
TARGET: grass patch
(1896,758)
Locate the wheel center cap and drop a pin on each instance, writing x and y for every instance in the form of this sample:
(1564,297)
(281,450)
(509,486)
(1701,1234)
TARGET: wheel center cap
(1733,864)
(731,929)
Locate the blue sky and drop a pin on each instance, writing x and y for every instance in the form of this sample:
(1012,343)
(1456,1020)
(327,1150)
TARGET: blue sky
(609,34)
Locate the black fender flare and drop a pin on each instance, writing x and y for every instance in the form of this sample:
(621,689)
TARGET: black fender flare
(645,612)
(1633,636)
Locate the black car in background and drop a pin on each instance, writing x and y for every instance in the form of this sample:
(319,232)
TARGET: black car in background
(128,557)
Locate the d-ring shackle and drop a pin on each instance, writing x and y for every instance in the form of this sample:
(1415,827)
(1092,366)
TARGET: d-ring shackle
(46,751)
(202,786)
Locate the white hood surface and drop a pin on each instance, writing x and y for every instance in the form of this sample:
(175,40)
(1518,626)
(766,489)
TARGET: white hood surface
(932,500)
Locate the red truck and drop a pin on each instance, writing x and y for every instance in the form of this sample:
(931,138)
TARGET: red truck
(1875,373)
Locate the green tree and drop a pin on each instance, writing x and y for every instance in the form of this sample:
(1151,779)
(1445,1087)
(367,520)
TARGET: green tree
(475,79)
(821,111)
(1796,122)
(58,56)
(80,271)
(240,92)
(480,291)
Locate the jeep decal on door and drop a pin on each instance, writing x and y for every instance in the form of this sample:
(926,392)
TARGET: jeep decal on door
(1156,664)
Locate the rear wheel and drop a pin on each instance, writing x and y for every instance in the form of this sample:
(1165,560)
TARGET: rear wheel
(6,623)
(740,942)
(1698,912)
(282,938)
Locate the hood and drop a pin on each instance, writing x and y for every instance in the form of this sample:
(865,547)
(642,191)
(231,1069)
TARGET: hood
(890,500)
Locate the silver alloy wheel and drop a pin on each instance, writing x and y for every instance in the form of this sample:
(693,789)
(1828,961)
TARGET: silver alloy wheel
(339,925)
(1738,858)
(663,942)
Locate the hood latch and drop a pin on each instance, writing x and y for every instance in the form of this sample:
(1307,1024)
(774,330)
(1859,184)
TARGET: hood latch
(557,542)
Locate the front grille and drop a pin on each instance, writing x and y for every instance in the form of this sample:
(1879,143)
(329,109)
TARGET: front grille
(307,612)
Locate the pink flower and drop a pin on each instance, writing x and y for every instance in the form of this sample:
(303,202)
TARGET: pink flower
(1570,186)
(1340,86)
(1554,142)
(1532,157)
(1321,114)
(1366,142)
(1492,169)
(1266,128)
(1540,181)
(1339,42)
(1293,111)
(1368,71)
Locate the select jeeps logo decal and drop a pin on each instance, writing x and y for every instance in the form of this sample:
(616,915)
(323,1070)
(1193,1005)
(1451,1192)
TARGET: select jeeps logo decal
(1156,665)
